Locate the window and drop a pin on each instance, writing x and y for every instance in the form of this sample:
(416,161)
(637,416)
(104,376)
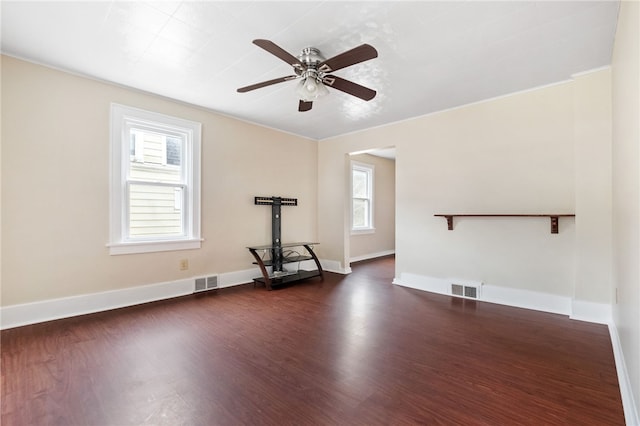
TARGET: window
(361,197)
(155,182)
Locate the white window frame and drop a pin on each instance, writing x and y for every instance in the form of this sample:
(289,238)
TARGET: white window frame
(370,170)
(122,119)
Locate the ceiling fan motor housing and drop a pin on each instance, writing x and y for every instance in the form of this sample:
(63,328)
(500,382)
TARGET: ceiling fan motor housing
(311,57)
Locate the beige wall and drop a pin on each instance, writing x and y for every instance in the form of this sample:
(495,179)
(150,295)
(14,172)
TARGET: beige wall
(626,188)
(384,200)
(592,124)
(514,154)
(511,155)
(55,188)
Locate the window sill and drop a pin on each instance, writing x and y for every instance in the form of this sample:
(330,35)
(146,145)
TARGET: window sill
(153,246)
(363,231)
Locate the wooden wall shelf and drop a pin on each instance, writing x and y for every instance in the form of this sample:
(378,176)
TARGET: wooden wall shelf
(552,216)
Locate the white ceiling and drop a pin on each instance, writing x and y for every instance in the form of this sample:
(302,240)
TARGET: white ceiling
(432,55)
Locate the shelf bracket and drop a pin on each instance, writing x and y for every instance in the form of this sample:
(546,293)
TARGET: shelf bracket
(449,222)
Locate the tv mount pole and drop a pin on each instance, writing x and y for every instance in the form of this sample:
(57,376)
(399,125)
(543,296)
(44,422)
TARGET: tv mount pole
(276,230)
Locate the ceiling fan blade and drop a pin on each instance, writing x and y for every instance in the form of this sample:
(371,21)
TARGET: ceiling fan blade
(304,106)
(354,56)
(266,83)
(349,87)
(276,50)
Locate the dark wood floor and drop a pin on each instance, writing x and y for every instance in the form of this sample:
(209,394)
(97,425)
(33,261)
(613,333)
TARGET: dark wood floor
(353,350)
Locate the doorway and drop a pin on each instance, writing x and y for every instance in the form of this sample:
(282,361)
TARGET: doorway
(372,204)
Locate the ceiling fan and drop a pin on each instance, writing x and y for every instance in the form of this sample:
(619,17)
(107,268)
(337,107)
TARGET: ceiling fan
(313,70)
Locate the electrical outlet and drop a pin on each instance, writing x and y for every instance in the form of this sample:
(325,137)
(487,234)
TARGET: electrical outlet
(184,264)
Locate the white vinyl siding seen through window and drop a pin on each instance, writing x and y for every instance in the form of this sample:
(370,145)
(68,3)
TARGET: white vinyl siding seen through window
(155,184)
(361,197)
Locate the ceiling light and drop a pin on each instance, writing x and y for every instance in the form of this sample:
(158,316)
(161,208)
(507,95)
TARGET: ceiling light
(310,87)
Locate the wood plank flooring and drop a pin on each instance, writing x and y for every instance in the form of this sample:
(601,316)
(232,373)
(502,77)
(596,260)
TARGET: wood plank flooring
(352,350)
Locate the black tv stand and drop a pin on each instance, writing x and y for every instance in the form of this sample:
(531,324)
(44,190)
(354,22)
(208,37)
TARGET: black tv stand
(279,276)
(275,256)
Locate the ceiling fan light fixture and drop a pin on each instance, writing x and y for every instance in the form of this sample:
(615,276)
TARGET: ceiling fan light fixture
(311,88)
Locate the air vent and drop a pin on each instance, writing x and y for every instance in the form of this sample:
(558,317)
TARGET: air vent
(201,284)
(469,290)
(212,282)
(206,283)
(457,290)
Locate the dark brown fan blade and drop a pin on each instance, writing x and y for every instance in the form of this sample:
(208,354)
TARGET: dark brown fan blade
(276,50)
(354,56)
(349,87)
(266,83)
(304,106)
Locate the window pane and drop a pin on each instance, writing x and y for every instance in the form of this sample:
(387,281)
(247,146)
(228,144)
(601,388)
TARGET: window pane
(360,184)
(360,213)
(155,156)
(174,151)
(154,211)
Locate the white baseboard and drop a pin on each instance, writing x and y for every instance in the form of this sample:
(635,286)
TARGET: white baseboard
(422,282)
(527,299)
(48,310)
(229,279)
(501,295)
(576,309)
(600,313)
(372,255)
(626,393)
(334,266)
